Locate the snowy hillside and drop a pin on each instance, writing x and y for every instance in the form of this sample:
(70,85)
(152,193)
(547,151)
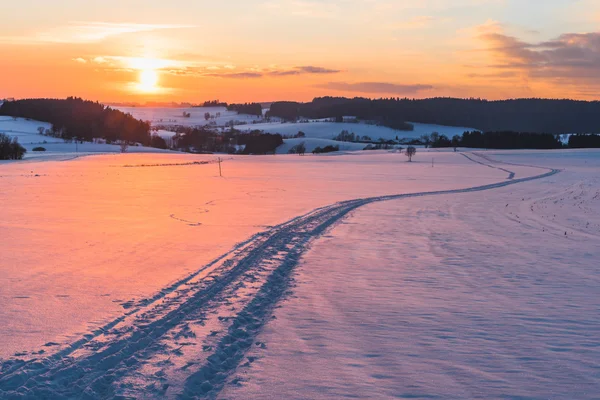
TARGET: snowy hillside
(328,130)
(175,116)
(29,137)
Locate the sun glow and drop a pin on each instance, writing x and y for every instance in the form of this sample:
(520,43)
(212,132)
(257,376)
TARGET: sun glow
(148,81)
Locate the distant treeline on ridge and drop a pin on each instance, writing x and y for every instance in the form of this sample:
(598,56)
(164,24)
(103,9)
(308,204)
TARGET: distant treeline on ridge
(519,115)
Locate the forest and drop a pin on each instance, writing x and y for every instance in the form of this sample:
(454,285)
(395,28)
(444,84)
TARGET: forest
(519,115)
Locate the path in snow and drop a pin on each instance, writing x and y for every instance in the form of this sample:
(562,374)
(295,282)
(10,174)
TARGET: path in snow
(186,340)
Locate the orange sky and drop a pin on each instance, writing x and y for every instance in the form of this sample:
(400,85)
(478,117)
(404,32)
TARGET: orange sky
(298,49)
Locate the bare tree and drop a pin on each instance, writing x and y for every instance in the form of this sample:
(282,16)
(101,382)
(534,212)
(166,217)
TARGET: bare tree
(124,146)
(298,149)
(41,130)
(410,152)
(426,140)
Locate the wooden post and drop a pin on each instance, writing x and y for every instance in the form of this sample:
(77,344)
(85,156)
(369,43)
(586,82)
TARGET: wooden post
(220,173)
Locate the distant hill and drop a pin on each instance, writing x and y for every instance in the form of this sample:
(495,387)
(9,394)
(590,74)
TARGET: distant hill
(519,115)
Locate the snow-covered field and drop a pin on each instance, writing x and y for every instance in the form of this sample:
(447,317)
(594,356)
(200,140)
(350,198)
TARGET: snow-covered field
(175,116)
(149,276)
(26,131)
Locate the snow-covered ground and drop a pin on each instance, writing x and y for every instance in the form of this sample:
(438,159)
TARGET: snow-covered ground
(150,276)
(175,116)
(493,294)
(329,130)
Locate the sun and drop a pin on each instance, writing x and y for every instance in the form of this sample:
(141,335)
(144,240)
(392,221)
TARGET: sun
(148,81)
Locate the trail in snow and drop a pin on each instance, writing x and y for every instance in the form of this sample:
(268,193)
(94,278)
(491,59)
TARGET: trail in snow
(154,349)
(511,174)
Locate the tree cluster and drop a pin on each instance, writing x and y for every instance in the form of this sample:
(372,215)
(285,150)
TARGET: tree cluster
(214,103)
(509,140)
(300,149)
(246,108)
(207,140)
(326,149)
(10,149)
(258,142)
(77,118)
(584,141)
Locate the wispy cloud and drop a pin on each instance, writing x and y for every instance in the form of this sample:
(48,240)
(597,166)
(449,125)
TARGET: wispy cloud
(304,70)
(89,32)
(235,75)
(377,87)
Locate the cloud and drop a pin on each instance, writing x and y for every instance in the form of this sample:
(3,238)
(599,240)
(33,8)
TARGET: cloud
(237,75)
(271,72)
(501,74)
(198,68)
(376,87)
(304,70)
(571,57)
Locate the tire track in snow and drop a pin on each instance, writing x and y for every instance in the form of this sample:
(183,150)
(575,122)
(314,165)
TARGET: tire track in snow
(114,353)
(511,174)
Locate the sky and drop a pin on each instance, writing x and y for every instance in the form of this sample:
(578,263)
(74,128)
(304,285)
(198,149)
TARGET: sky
(267,50)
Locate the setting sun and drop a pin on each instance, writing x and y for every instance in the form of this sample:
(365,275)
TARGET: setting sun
(148,81)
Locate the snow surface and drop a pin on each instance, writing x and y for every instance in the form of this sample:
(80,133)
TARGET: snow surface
(147,275)
(478,295)
(174,116)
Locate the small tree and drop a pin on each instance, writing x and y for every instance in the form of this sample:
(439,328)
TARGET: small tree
(410,152)
(207,116)
(300,148)
(124,146)
(41,130)
(426,140)
(455,142)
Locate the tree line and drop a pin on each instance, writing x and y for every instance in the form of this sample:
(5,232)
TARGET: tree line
(510,140)
(85,120)
(246,108)
(214,103)
(206,140)
(517,115)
